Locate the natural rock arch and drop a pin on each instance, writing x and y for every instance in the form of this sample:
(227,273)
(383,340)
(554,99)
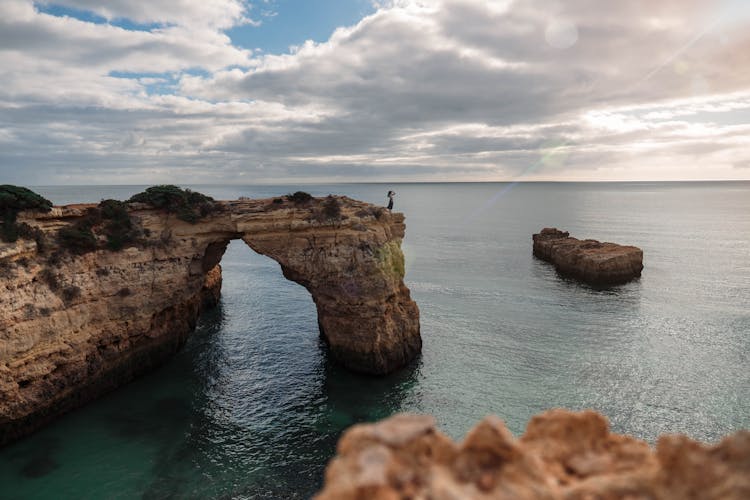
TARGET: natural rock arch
(365,312)
(89,323)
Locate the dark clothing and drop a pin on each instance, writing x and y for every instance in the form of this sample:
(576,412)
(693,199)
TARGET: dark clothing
(390,204)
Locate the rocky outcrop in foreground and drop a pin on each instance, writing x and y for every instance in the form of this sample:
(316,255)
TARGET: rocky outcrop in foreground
(77,323)
(589,261)
(561,456)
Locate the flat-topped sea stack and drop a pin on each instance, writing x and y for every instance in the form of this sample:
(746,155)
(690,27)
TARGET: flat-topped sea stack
(93,295)
(589,261)
(561,456)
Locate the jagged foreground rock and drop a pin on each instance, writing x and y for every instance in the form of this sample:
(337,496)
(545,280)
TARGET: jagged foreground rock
(561,456)
(74,326)
(590,261)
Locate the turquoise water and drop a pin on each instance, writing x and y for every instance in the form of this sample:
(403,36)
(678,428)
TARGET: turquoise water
(252,408)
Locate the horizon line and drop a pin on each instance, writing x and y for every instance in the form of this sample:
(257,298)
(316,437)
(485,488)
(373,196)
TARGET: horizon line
(308,183)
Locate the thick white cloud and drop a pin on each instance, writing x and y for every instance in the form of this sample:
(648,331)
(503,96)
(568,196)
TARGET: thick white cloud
(64,40)
(198,13)
(446,89)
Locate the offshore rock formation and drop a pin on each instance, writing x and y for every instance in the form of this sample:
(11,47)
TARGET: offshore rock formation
(73,326)
(561,456)
(588,260)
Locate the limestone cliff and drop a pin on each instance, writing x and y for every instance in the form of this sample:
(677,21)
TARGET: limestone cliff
(73,326)
(561,456)
(588,260)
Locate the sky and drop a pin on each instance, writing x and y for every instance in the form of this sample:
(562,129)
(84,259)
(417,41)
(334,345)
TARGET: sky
(279,91)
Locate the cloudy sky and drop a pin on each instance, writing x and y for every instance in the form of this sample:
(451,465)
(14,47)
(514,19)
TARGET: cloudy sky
(191,91)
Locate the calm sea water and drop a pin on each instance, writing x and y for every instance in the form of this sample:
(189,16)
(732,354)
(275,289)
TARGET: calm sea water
(252,407)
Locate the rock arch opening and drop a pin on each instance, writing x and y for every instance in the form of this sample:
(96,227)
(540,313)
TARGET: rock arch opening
(364,311)
(134,307)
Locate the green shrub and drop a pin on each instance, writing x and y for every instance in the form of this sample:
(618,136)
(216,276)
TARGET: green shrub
(14,199)
(33,233)
(78,238)
(114,210)
(188,216)
(329,211)
(20,198)
(189,206)
(110,218)
(376,212)
(9,231)
(119,228)
(332,208)
(299,198)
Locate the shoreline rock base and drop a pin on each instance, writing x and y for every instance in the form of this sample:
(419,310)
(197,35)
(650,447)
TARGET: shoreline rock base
(590,261)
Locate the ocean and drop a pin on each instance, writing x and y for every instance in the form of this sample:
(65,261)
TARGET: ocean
(252,407)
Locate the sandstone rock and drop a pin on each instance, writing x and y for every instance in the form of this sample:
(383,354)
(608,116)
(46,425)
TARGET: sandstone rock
(561,456)
(588,260)
(75,326)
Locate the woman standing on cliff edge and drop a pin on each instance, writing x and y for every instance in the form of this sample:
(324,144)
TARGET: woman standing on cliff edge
(391,194)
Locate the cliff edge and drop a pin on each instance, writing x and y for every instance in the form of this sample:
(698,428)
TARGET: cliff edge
(77,323)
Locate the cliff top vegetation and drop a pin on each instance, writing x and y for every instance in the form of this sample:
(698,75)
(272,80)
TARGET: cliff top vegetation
(299,198)
(189,205)
(14,199)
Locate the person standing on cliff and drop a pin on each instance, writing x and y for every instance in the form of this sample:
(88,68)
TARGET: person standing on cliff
(391,194)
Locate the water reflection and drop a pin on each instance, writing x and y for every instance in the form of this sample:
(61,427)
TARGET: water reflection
(252,407)
(267,404)
(353,398)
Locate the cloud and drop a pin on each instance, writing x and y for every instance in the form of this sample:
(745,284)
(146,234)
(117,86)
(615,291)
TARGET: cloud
(446,89)
(87,45)
(194,13)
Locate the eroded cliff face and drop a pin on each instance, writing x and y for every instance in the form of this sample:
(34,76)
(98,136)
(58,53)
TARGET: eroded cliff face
(561,456)
(74,326)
